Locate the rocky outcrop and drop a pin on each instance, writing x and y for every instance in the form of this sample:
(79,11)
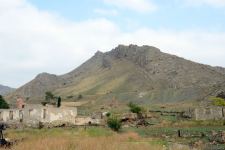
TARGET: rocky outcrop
(138,55)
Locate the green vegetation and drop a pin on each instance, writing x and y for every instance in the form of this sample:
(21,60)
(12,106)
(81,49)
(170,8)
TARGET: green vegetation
(135,108)
(217,101)
(3,103)
(114,123)
(49,96)
(108,114)
(51,99)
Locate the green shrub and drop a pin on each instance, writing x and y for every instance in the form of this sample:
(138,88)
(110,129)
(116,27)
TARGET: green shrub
(108,114)
(114,123)
(135,108)
(3,103)
(218,101)
(49,96)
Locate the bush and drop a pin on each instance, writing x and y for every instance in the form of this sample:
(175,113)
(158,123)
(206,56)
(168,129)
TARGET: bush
(108,114)
(49,96)
(3,103)
(114,123)
(135,108)
(218,101)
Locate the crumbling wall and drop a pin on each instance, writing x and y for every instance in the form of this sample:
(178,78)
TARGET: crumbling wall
(209,113)
(63,114)
(36,114)
(86,121)
(9,115)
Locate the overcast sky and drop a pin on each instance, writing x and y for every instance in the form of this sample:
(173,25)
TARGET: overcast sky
(57,36)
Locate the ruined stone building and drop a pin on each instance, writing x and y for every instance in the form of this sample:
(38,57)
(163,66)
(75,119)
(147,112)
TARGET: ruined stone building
(34,114)
(208,113)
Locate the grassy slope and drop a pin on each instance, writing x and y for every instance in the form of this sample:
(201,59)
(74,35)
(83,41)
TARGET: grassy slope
(124,83)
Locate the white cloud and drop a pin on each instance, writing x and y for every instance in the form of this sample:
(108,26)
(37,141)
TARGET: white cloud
(141,6)
(215,3)
(105,12)
(34,41)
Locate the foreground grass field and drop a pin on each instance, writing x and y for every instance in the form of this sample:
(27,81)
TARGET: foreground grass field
(81,139)
(132,138)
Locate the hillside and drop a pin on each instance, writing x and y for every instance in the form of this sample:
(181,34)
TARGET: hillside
(34,90)
(5,90)
(129,73)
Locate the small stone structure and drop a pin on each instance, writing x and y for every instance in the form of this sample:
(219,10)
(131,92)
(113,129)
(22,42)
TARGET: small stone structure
(34,114)
(208,113)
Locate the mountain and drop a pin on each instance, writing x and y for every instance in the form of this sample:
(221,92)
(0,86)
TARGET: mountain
(35,89)
(5,90)
(130,73)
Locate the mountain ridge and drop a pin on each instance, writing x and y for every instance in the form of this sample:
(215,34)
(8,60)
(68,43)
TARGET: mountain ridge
(145,69)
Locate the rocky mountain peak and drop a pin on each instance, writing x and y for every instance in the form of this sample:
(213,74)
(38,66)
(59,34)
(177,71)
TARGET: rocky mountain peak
(132,51)
(44,76)
(98,54)
(139,55)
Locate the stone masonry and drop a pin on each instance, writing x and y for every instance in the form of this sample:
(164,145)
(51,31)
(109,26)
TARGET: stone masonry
(34,114)
(209,113)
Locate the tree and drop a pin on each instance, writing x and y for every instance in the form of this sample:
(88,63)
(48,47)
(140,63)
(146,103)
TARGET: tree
(59,102)
(3,103)
(114,123)
(49,96)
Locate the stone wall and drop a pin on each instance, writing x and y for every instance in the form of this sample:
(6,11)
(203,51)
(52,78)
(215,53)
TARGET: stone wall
(86,121)
(35,114)
(209,113)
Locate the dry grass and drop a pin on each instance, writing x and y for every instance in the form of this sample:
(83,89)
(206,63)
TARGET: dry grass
(59,139)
